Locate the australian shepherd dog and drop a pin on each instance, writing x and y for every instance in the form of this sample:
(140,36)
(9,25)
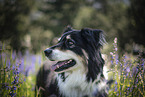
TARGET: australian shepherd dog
(78,71)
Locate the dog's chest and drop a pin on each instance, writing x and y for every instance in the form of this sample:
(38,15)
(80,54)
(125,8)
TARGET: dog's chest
(75,85)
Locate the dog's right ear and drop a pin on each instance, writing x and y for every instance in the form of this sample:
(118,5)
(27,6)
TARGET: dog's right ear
(68,28)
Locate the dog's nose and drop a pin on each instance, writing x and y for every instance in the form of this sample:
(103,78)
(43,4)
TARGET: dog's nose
(47,52)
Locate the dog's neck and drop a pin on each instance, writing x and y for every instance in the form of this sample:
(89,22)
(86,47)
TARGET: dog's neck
(72,75)
(72,84)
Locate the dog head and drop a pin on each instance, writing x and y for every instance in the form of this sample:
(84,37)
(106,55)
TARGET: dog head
(78,50)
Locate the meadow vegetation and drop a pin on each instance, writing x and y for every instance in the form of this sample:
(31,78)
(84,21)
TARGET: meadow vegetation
(27,27)
(18,74)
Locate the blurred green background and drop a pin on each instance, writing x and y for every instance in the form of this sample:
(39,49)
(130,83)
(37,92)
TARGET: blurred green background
(35,24)
(27,27)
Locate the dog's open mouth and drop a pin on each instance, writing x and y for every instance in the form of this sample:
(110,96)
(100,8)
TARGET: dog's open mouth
(63,65)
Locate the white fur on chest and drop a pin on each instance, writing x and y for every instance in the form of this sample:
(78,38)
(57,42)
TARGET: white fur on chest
(76,85)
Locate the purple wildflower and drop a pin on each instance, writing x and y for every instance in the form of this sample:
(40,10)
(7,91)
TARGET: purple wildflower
(12,94)
(8,87)
(14,55)
(117,61)
(128,69)
(115,40)
(112,62)
(14,88)
(115,88)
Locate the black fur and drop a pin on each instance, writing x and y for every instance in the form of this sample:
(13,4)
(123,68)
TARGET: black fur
(45,88)
(95,62)
(91,41)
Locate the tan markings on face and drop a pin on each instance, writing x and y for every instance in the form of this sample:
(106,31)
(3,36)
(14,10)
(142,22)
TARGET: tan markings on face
(85,56)
(59,38)
(85,59)
(68,37)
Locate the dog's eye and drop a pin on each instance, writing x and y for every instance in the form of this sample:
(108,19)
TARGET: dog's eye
(71,44)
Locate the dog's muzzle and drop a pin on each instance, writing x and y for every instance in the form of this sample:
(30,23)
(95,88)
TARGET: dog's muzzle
(63,62)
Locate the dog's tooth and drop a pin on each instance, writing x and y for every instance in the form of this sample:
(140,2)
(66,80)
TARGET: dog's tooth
(69,61)
(57,66)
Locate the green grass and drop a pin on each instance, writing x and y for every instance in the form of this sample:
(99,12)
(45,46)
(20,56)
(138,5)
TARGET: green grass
(18,74)
(129,74)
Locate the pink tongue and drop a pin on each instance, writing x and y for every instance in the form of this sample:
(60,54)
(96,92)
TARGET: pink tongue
(57,65)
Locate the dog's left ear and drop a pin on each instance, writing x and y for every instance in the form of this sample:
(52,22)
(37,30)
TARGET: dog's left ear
(93,39)
(94,35)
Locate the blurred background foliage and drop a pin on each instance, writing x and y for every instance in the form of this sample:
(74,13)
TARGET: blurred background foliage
(36,24)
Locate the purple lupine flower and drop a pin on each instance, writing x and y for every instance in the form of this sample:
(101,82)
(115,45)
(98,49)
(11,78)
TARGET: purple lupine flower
(120,94)
(115,88)
(14,87)
(12,94)
(16,78)
(117,94)
(116,83)
(115,40)
(120,64)
(21,65)
(111,54)
(15,81)
(116,49)
(112,62)
(128,69)
(124,58)
(125,64)
(117,61)
(9,63)
(135,70)
(142,65)
(16,72)
(8,87)
(13,55)
(128,88)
